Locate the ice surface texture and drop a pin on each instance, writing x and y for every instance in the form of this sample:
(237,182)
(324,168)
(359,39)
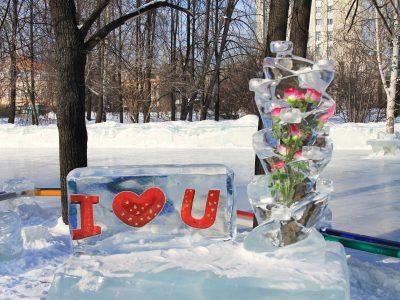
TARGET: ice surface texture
(10,235)
(385,143)
(128,224)
(311,269)
(12,212)
(294,147)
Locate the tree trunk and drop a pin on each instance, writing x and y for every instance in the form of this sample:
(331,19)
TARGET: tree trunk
(174,27)
(205,62)
(71,60)
(299,26)
(216,90)
(35,118)
(100,66)
(277,28)
(150,31)
(13,63)
(277,23)
(89,96)
(230,6)
(119,78)
(394,75)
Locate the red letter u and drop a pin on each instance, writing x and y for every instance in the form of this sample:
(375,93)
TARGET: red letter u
(210,211)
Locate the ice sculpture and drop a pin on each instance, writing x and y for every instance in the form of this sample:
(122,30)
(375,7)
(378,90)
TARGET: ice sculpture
(293,148)
(121,209)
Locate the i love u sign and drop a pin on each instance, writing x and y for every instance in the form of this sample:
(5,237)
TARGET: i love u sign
(131,204)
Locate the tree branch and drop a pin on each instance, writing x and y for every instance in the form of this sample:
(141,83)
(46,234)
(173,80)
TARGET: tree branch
(5,14)
(103,32)
(93,17)
(378,9)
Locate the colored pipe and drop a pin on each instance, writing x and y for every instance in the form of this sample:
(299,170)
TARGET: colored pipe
(364,246)
(359,237)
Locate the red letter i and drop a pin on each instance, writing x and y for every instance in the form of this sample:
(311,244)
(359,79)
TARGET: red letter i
(87,223)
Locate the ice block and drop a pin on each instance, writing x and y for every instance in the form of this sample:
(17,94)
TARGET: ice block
(120,209)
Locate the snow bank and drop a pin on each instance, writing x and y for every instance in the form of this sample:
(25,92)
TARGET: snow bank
(354,136)
(178,134)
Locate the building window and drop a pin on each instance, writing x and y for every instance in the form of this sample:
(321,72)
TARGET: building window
(318,9)
(330,36)
(330,8)
(318,22)
(330,21)
(318,35)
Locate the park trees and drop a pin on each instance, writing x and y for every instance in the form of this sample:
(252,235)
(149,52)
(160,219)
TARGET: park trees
(73,43)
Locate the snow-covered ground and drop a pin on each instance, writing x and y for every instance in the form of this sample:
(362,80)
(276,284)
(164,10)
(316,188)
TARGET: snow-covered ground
(365,200)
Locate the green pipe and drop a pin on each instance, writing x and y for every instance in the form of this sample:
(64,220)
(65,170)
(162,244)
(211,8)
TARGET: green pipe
(364,246)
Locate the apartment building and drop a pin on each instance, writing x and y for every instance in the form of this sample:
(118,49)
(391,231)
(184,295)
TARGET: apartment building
(327,24)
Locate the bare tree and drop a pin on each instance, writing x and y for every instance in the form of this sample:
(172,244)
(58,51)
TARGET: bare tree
(391,87)
(13,62)
(72,47)
(35,118)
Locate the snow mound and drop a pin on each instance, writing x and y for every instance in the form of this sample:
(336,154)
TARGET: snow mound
(177,134)
(355,136)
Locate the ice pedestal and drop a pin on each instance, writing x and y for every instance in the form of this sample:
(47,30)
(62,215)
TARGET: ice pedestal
(310,269)
(135,206)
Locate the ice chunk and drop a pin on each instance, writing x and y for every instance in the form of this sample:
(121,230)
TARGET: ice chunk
(313,153)
(140,205)
(386,144)
(17,185)
(10,235)
(223,270)
(36,237)
(291,115)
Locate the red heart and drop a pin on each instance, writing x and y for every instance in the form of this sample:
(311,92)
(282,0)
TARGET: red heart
(136,210)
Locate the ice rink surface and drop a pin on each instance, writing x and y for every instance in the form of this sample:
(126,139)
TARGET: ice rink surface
(366,199)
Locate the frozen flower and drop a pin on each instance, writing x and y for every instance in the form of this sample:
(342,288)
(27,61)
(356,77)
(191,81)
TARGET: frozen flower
(297,154)
(312,96)
(329,113)
(278,165)
(292,95)
(294,131)
(283,150)
(276,112)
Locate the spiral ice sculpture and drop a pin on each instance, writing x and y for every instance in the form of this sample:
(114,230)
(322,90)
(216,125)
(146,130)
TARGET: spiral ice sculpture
(293,148)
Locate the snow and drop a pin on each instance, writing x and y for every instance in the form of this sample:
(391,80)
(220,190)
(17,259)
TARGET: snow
(178,134)
(365,199)
(355,136)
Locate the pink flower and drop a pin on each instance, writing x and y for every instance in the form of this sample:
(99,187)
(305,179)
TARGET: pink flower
(297,154)
(313,96)
(278,165)
(276,112)
(293,95)
(283,149)
(294,131)
(329,113)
